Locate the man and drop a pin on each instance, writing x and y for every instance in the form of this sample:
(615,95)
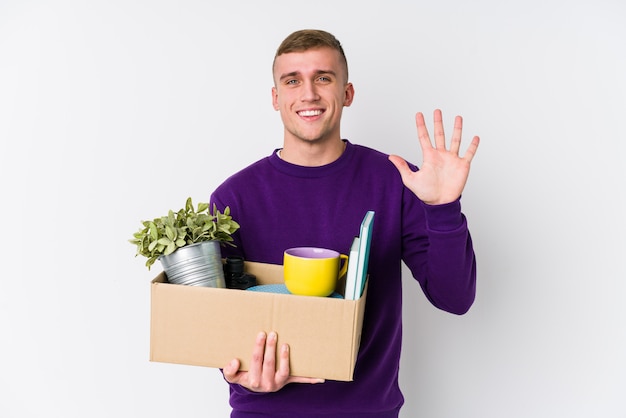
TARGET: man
(314,192)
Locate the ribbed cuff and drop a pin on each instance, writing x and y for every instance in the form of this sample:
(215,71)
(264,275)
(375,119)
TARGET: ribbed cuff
(445,217)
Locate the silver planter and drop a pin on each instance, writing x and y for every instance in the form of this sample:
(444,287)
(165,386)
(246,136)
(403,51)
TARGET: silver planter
(197,264)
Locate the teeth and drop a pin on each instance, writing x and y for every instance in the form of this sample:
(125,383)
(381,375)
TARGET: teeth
(310,113)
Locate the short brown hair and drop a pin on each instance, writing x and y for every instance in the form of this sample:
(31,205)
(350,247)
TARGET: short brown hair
(303,40)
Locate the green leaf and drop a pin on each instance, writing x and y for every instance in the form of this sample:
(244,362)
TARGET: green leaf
(154,233)
(170,248)
(202,206)
(170,232)
(164,241)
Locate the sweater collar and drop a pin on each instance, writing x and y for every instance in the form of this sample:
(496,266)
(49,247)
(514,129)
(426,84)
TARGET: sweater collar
(312,172)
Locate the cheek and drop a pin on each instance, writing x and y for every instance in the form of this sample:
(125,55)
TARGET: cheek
(280,101)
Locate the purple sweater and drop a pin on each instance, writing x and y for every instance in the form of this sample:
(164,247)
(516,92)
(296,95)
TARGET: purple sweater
(281,205)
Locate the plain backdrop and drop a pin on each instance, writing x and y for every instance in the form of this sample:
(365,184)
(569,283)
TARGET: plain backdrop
(113,112)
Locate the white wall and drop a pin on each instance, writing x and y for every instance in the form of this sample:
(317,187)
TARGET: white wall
(115,111)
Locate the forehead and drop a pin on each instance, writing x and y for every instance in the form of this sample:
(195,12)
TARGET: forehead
(309,62)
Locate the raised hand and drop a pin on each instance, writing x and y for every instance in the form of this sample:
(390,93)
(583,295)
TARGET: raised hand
(443,174)
(263,376)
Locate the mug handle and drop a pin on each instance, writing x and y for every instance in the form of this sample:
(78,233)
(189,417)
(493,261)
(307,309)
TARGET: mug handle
(344,267)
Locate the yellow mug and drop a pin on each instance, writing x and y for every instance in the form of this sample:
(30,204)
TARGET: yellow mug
(313,271)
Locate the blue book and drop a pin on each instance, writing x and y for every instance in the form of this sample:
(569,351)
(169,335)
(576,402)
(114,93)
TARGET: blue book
(365,241)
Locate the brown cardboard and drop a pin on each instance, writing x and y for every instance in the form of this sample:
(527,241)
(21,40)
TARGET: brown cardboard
(204,326)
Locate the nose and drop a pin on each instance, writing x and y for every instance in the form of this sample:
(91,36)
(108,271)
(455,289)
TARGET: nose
(309,92)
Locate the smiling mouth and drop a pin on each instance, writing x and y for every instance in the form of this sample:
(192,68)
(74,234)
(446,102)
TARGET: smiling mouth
(308,113)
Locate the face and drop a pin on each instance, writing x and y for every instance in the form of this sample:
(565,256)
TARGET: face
(310,92)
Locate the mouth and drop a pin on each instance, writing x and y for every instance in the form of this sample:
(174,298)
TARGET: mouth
(309,113)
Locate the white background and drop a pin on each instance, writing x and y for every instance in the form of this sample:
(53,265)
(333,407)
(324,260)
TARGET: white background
(112,112)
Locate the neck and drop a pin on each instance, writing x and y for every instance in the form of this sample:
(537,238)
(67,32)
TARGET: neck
(312,155)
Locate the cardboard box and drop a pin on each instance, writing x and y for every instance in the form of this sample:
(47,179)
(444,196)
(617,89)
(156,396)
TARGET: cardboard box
(204,326)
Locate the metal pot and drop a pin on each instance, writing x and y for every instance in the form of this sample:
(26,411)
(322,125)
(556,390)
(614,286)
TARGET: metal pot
(197,264)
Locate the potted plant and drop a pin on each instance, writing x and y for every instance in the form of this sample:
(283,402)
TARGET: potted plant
(187,243)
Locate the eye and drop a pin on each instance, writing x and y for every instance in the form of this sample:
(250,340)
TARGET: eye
(291,82)
(324,79)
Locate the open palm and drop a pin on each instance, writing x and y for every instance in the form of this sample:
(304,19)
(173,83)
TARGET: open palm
(443,174)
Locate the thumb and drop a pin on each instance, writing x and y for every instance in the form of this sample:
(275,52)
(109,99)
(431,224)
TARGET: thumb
(230,370)
(401,165)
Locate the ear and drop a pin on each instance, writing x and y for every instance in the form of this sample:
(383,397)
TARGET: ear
(274,98)
(349,95)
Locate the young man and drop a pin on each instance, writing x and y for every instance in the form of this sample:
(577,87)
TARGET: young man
(314,191)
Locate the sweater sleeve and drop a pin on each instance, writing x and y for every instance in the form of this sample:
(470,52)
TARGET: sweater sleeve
(446,266)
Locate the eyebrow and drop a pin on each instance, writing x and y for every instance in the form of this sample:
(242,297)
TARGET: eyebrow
(297,73)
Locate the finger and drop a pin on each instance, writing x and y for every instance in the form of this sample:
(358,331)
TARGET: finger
(422,132)
(269,359)
(471,150)
(256,365)
(440,138)
(310,380)
(282,374)
(455,143)
(231,371)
